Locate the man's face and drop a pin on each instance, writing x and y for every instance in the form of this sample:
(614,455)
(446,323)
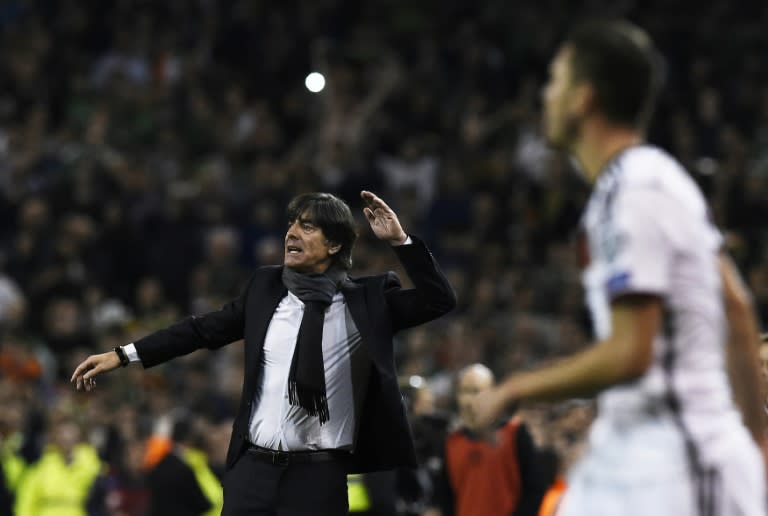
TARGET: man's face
(66,436)
(471,383)
(560,114)
(306,247)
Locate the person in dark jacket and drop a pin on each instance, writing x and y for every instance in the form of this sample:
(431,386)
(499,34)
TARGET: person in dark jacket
(173,487)
(320,394)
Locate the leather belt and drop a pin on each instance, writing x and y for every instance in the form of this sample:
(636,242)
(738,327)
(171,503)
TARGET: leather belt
(284,458)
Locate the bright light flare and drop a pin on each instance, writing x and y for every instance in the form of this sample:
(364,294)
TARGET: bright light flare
(315,82)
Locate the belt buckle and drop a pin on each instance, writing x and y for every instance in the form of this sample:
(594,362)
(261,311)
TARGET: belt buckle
(280,458)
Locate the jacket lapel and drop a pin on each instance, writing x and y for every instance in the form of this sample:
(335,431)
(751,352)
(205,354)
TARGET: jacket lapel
(361,362)
(263,300)
(355,298)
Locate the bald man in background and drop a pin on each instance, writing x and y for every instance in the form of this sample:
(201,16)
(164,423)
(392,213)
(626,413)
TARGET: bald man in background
(489,470)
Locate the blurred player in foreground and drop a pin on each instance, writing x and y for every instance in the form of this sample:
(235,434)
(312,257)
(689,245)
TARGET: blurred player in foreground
(673,320)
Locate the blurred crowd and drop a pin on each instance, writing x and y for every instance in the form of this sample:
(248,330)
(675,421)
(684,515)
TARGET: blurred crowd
(148,150)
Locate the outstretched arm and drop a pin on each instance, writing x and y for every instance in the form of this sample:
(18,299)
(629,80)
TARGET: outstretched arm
(212,330)
(742,350)
(623,357)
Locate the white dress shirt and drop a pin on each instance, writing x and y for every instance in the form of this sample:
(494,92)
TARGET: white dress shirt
(274,422)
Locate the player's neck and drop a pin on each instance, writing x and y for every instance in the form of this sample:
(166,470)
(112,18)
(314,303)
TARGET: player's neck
(601,142)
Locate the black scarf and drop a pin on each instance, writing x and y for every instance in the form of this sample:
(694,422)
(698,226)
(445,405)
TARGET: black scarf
(306,379)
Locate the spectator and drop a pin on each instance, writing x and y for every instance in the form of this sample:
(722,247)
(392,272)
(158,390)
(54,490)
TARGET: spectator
(12,463)
(122,488)
(173,474)
(58,484)
(490,470)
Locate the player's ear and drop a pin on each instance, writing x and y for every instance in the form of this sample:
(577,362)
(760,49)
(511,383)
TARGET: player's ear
(333,248)
(584,100)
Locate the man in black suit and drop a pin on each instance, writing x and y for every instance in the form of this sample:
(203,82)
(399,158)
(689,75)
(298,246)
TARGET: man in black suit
(320,394)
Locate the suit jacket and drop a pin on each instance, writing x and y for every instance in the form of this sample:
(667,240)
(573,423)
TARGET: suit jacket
(379,306)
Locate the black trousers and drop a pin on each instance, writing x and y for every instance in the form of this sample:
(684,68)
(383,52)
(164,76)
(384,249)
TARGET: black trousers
(256,488)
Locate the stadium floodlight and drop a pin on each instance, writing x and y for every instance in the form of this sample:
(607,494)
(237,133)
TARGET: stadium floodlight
(315,82)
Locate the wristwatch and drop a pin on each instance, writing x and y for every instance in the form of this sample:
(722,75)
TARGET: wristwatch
(124,361)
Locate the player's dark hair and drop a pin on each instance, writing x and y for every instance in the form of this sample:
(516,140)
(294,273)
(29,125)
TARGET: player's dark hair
(330,214)
(622,64)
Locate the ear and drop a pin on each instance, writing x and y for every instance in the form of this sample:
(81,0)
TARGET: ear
(334,248)
(583,99)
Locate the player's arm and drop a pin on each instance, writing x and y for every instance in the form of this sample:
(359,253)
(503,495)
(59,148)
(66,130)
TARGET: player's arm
(622,358)
(742,350)
(636,245)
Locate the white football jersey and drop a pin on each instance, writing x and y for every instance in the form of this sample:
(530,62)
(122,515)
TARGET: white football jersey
(648,231)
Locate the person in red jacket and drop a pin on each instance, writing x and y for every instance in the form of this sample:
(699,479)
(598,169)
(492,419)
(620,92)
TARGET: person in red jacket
(490,471)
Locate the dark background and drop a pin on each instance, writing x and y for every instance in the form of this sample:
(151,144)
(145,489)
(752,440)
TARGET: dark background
(148,150)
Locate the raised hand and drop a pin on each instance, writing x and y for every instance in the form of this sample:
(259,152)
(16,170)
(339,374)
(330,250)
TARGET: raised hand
(94,365)
(383,220)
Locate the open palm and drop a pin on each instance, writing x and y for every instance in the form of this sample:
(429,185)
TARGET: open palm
(382,219)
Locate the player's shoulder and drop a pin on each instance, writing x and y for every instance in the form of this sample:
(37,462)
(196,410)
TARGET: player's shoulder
(651,169)
(650,166)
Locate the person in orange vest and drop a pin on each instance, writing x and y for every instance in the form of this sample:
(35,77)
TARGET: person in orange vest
(490,470)
(552,497)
